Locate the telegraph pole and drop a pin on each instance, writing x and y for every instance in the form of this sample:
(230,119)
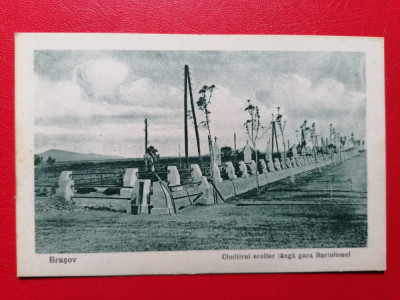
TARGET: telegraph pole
(145,136)
(185,115)
(234,146)
(145,142)
(188,87)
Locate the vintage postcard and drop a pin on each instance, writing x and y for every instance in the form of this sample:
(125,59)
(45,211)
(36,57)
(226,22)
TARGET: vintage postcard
(184,154)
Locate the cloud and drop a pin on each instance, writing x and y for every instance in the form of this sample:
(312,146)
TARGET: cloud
(327,101)
(66,117)
(101,79)
(101,100)
(67,99)
(147,93)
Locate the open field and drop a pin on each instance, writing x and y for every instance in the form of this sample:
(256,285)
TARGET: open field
(318,211)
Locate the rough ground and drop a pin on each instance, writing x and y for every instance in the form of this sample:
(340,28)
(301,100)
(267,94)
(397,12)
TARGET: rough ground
(318,211)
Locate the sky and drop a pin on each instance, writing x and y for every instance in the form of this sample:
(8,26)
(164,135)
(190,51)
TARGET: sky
(96,101)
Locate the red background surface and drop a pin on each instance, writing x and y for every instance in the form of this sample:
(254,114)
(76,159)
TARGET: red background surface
(354,18)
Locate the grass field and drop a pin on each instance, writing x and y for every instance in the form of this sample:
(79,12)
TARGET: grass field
(318,211)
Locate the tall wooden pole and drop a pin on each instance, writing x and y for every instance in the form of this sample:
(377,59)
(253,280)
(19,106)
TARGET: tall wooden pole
(145,142)
(274,135)
(145,136)
(196,130)
(185,116)
(234,146)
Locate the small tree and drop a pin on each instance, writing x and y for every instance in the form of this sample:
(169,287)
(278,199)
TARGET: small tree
(253,130)
(203,104)
(226,152)
(50,160)
(37,160)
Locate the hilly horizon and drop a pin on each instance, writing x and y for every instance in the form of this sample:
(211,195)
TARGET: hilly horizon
(63,155)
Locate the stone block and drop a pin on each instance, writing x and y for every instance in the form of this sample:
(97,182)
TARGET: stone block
(271,166)
(126,192)
(174,178)
(243,170)
(160,211)
(196,173)
(130,176)
(253,167)
(263,166)
(66,185)
(230,170)
(277,164)
(216,173)
(247,154)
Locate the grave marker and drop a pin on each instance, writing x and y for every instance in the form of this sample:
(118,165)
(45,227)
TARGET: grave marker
(230,170)
(243,169)
(247,154)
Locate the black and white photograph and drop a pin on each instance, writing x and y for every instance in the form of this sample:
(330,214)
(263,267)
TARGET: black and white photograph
(176,154)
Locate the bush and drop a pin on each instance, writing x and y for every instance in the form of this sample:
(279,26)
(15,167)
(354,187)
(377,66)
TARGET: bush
(60,203)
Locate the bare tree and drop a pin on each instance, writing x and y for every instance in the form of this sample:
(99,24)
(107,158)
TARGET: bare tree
(203,104)
(254,130)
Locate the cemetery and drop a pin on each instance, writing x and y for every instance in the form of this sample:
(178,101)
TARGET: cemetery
(146,196)
(291,195)
(169,188)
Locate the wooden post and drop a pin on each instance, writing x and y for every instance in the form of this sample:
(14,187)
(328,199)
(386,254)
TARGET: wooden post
(193,111)
(145,136)
(185,116)
(234,147)
(145,142)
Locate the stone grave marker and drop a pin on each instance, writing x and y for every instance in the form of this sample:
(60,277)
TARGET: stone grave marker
(243,169)
(247,154)
(271,166)
(230,170)
(196,173)
(263,166)
(277,164)
(253,167)
(216,173)
(288,163)
(174,177)
(217,153)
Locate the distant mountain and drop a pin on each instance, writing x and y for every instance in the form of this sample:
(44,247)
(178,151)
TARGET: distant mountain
(61,155)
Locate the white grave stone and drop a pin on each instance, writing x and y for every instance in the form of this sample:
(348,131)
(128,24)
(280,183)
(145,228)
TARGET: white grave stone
(247,154)
(230,170)
(271,166)
(243,169)
(174,178)
(294,163)
(196,173)
(288,163)
(283,164)
(216,173)
(263,166)
(66,184)
(217,153)
(130,177)
(206,189)
(277,164)
(294,152)
(253,167)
